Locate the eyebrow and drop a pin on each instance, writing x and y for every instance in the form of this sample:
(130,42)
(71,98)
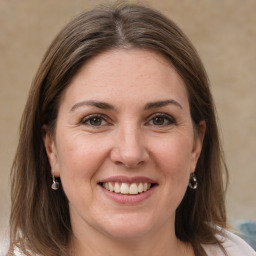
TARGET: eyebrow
(97,104)
(163,103)
(104,105)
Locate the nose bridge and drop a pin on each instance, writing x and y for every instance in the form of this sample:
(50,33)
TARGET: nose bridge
(129,149)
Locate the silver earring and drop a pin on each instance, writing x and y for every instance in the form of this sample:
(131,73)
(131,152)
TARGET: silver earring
(193,181)
(55,184)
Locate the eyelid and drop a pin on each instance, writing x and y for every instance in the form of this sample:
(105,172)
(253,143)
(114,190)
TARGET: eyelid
(87,118)
(170,118)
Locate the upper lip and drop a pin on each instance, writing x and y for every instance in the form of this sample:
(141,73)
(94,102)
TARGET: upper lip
(129,180)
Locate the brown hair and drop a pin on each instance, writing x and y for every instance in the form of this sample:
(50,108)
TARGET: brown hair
(40,222)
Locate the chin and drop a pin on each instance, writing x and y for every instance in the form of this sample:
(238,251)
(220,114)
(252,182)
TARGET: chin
(127,228)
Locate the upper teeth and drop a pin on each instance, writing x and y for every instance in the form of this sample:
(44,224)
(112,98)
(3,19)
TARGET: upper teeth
(125,188)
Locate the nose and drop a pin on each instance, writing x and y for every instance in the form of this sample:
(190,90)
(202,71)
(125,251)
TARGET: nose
(129,148)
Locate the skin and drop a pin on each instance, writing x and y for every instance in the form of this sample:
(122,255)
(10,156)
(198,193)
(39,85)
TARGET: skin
(126,139)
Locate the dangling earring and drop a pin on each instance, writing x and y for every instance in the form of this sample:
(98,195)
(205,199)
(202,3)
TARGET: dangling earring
(192,181)
(55,184)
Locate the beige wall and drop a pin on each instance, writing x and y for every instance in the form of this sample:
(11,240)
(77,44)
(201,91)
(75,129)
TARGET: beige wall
(224,32)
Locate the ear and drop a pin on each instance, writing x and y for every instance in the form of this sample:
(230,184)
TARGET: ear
(199,134)
(51,150)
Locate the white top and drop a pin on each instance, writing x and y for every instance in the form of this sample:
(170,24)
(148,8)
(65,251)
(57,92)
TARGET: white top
(233,245)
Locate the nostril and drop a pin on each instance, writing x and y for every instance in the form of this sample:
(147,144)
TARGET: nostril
(127,165)
(129,155)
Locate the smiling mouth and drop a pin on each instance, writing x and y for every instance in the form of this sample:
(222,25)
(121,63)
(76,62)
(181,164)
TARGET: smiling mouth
(126,188)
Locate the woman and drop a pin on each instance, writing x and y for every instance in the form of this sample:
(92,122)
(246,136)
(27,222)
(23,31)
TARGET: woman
(119,151)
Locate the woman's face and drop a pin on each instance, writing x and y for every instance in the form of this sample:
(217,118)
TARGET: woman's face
(124,145)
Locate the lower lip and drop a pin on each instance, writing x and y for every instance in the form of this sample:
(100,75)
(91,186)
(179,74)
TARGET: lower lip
(128,199)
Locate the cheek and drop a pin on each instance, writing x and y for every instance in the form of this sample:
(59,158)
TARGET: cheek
(78,159)
(173,155)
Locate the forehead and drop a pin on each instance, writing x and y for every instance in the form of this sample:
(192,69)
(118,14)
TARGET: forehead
(122,75)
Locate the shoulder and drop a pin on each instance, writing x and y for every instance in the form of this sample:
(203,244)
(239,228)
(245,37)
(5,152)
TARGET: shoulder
(4,245)
(233,245)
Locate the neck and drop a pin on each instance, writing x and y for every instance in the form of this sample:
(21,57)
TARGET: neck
(158,243)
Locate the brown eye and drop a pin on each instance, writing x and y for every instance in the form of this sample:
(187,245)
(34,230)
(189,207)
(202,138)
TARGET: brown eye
(95,121)
(161,120)
(158,120)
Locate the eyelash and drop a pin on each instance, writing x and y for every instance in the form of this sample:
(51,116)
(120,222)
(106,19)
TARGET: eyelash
(168,120)
(89,118)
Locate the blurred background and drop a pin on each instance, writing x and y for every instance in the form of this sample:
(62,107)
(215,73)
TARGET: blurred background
(224,33)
